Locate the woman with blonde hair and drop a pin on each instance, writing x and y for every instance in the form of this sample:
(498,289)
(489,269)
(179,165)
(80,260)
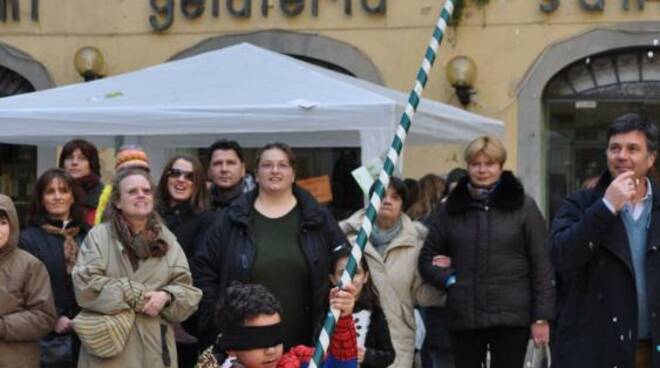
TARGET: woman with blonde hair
(486,248)
(134,262)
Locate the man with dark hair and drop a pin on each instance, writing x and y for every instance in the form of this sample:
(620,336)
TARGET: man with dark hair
(226,170)
(605,244)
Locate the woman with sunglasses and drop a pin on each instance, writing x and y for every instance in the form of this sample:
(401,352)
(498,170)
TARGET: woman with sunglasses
(182,201)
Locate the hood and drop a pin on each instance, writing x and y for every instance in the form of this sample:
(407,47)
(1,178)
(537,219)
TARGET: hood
(7,205)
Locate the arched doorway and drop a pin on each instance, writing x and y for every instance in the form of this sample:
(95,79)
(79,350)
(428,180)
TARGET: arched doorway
(533,133)
(580,103)
(12,83)
(19,73)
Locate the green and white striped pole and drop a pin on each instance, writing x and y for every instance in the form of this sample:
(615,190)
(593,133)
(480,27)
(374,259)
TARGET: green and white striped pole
(384,178)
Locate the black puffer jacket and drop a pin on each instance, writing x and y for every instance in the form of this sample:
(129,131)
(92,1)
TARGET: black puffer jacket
(49,249)
(228,254)
(503,272)
(188,227)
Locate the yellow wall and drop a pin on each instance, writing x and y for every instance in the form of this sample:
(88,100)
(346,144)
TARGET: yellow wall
(504,38)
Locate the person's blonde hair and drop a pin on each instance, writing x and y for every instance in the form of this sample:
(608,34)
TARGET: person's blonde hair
(489,146)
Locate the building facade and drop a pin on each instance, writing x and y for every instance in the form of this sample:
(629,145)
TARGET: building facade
(556,72)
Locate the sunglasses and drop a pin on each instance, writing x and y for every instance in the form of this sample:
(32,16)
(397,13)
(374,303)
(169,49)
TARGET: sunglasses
(176,173)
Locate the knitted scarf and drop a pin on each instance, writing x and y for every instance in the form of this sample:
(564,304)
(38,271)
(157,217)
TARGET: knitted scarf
(70,243)
(141,245)
(381,239)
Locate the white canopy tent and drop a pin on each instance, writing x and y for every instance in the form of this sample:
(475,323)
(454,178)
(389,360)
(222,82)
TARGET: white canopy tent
(241,92)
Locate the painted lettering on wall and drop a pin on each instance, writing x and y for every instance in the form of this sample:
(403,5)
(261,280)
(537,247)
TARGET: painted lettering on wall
(164,10)
(549,6)
(14,6)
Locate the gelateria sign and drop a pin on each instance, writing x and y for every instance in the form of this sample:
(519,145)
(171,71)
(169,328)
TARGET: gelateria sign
(13,8)
(550,6)
(164,10)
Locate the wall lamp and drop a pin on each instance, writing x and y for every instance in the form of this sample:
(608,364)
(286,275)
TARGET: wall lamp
(461,73)
(89,63)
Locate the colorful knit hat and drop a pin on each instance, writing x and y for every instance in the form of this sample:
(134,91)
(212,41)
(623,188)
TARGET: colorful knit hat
(131,155)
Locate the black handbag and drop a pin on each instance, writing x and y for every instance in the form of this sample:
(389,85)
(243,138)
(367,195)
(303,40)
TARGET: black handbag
(56,351)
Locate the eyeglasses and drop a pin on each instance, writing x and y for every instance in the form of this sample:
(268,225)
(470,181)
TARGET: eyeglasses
(177,173)
(268,166)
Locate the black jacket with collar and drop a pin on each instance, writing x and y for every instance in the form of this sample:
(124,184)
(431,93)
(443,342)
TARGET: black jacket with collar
(188,226)
(49,249)
(597,324)
(504,277)
(223,198)
(228,254)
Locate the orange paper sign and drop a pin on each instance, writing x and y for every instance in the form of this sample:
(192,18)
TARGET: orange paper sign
(319,186)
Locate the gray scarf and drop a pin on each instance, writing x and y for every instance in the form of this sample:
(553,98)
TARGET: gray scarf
(381,239)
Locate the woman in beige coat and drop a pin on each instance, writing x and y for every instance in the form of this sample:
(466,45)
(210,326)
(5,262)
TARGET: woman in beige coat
(27,311)
(391,254)
(134,246)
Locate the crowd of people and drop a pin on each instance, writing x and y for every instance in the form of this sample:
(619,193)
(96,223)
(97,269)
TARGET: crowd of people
(212,268)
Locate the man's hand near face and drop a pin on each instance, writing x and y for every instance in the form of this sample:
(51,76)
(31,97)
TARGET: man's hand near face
(621,190)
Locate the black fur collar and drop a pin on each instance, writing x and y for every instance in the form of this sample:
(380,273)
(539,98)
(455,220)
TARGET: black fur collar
(508,195)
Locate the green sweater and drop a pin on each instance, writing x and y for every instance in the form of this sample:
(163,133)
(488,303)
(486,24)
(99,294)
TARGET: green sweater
(280,265)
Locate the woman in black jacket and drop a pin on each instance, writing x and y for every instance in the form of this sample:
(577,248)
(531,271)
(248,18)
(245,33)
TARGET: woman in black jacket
(278,236)
(182,202)
(486,248)
(56,228)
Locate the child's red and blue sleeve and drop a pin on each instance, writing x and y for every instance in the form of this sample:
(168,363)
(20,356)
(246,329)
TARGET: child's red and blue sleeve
(342,352)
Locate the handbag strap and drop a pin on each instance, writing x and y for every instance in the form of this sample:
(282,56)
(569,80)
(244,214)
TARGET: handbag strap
(167,360)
